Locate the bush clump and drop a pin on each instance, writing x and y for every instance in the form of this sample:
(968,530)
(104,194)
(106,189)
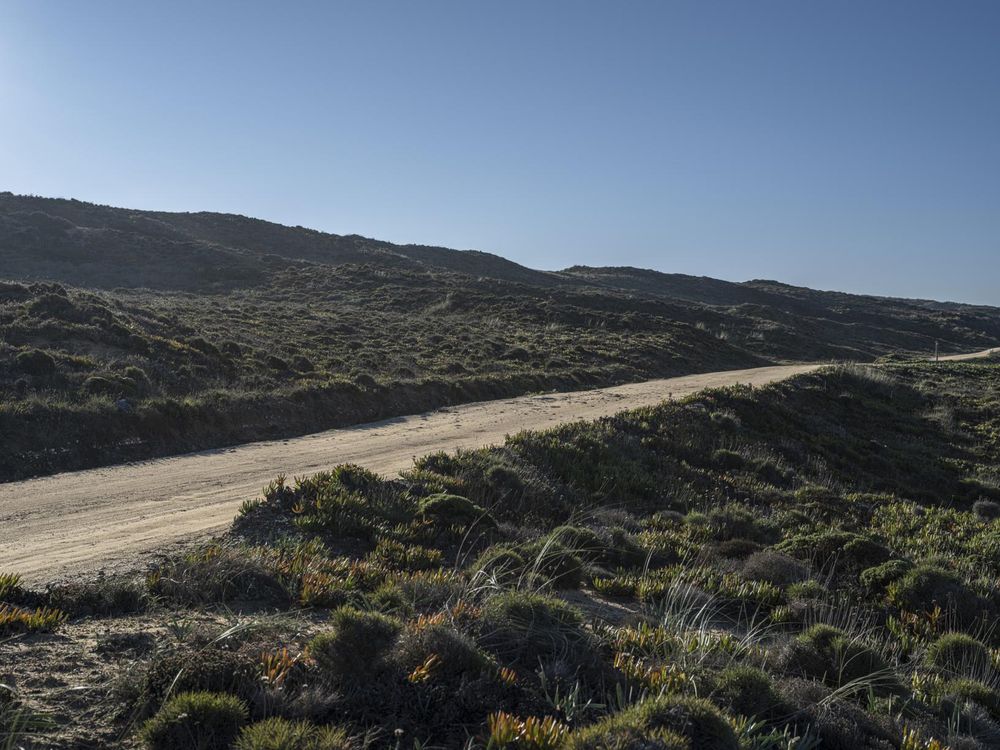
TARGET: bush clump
(555,563)
(747,691)
(829,654)
(529,628)
(446,509)
(957,652)
(834,547)
(355,645)
(878,577)
(283,734)
(671,722)
(195,721)
(35,362)
(213,670)
(451,654)
(923,586)
(774,567)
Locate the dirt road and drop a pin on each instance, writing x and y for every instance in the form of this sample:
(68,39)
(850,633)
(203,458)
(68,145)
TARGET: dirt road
(77,523)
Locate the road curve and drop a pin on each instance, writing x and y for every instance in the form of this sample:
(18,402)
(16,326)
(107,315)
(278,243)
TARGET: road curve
(78,523)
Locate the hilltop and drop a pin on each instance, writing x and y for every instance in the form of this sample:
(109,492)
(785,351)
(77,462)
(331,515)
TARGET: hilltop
(128,334)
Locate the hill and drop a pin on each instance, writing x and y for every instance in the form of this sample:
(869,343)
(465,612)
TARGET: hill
(128,334)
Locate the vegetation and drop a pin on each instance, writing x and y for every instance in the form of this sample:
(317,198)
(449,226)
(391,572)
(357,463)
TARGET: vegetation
(129,334)
(620,587)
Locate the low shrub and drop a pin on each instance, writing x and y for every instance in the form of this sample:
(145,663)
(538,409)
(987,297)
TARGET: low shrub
(501,563)
(554,563)
(774,567)
(449,510)
(283,734)
(957,653)
(442,650)
(211,670)
(878,577)
(923,586)
(35,362)
(829,654)
(217,575)
(195,721)
(832,547)
(965,690)
(104,597)
(355,646)
(671,722)
(987,510)
(529,628)
(747,691)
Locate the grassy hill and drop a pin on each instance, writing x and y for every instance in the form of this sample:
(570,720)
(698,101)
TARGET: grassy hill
(809,565)
(127,334)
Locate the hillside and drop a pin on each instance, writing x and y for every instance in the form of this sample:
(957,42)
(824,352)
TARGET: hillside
(807,565)
(128,334)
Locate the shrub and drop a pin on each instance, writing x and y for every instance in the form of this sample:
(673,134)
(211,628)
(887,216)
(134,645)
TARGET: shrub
(987,510)
(727,460)
(409,557)
(446,652)
(35,362)
(449,510)
(736,549)
(828,653)
(100,386)
(500,562)
(356,645)
(966,690)
(833,547)
(215,575)
(877,578)
(773,567)
(553,562)
(104,597)
(586,543)
(212,670)
(671,722)
(747,691)
(529,628)
(957,652)
(195,721)
(920,588)
(282,734)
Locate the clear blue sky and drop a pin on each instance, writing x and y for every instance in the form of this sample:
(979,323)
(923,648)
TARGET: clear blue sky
(846,145)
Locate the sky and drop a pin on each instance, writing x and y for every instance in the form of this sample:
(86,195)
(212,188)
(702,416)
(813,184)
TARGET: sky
(850,145)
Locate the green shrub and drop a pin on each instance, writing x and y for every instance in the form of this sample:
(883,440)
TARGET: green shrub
(449,510)
(529,628)
(405,557)
(920,588)
(356,644)
(282,734)
(554,563)
(747,691)
(773,567)
(828,653)
(586,543)
(878,577)
(806,590)
(736,549)
(831,547)
(195,721)
(215,575)
(212,670)
(987,510)
(671,722)
(35,362)
(966,690)
(101,386)
(500,562)
(454,654)
(727,460)
(957,652)
(103,597)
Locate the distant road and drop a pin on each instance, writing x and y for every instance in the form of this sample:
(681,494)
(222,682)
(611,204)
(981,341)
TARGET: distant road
(77,523)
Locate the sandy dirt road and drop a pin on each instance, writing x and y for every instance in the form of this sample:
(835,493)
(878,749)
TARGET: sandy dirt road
(78,523)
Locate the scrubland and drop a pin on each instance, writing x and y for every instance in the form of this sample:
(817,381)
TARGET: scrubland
(810,564)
